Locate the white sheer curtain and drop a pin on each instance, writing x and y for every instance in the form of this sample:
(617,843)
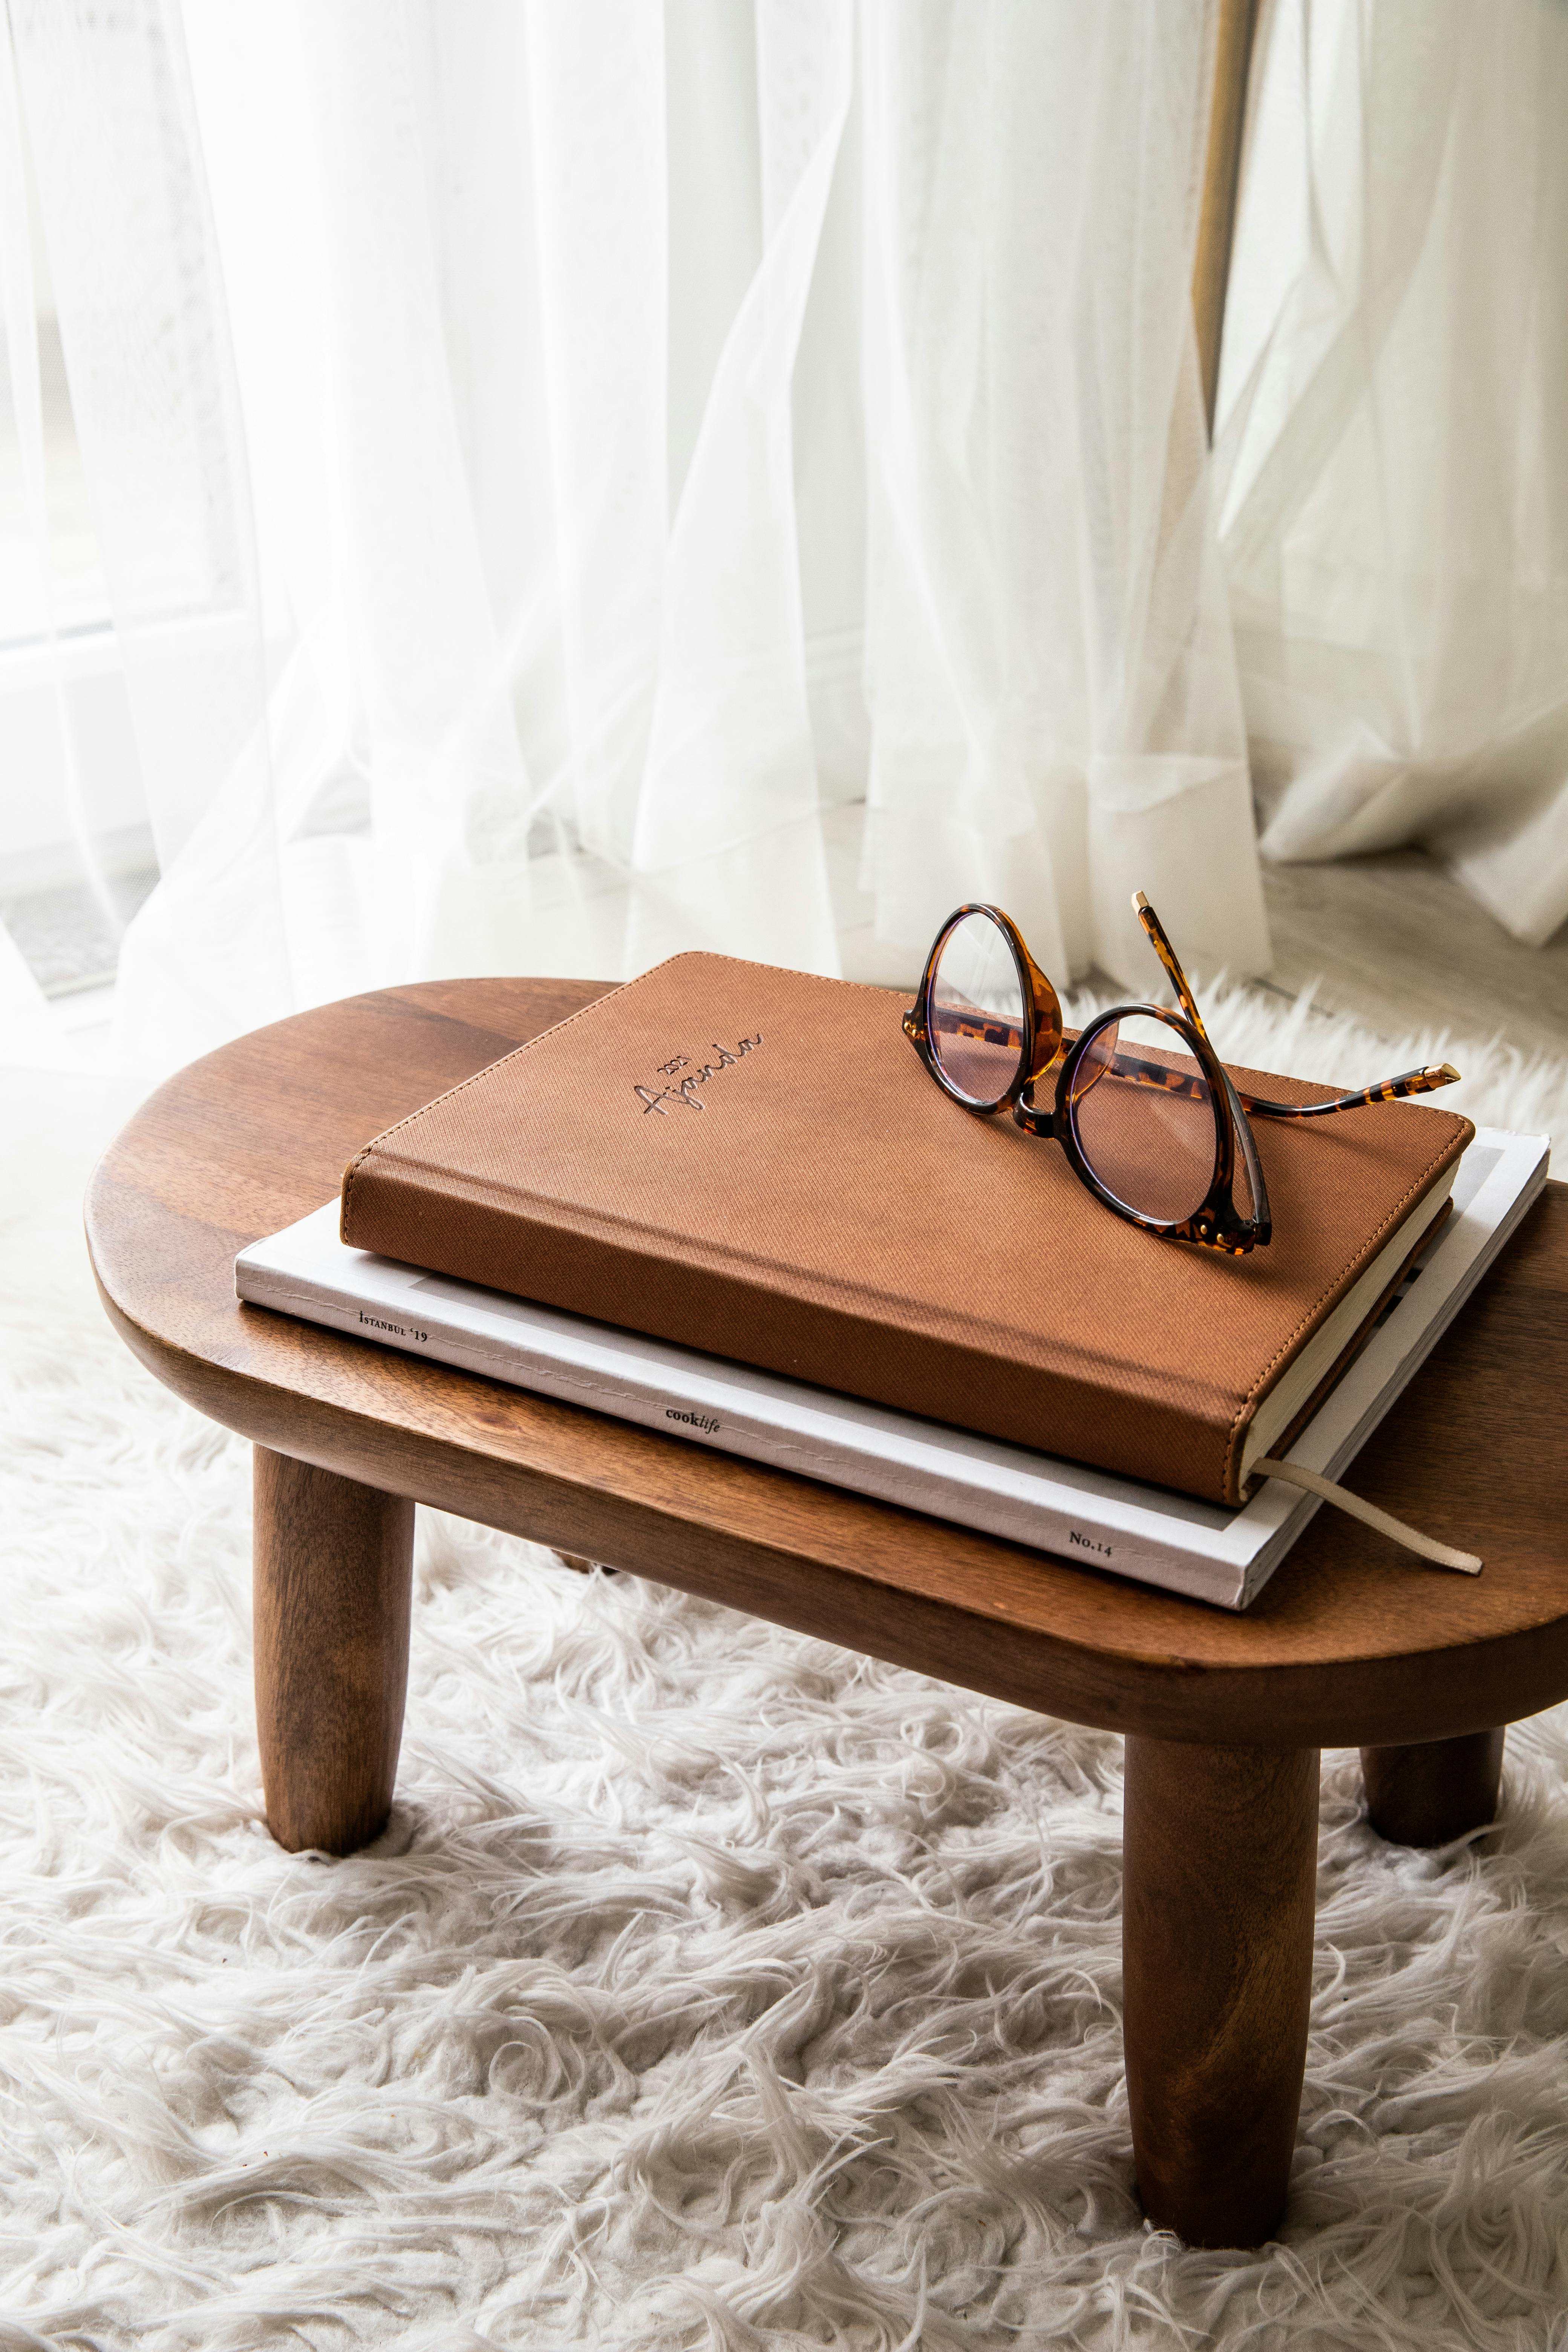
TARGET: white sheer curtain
(581,481)
(1394,438)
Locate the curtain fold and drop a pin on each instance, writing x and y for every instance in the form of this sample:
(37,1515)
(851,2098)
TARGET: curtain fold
(1391,443)
(116,151)
(583,482)
(1051,679)
(728,850)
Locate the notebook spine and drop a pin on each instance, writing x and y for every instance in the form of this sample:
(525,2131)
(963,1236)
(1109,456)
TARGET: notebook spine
(628,1278)
(650,1401)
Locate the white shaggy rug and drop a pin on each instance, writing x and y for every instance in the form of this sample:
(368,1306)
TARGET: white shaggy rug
(711,1987)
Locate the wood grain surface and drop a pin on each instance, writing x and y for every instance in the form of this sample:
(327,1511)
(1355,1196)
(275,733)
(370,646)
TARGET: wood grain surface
(1221,1855)
(1435,1792)
(332,1563)
(1353,1642)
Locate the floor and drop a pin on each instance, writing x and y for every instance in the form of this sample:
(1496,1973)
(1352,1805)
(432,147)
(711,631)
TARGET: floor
(69,937)
(1395,941)
(1392,939)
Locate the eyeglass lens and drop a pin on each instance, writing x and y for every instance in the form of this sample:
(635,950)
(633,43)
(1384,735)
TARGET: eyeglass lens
(1152,1147)
(976,1011)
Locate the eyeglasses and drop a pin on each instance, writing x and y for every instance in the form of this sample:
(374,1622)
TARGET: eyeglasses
(1160,1135)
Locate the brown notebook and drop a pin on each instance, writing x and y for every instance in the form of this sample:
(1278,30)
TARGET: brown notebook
(753,1162)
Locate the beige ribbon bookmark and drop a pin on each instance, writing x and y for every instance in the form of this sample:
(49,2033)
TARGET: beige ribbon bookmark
(1441,1555)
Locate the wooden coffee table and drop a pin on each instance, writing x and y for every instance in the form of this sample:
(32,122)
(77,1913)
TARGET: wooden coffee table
(1352,1644)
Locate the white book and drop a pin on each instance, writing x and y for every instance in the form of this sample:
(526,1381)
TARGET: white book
(1150,1533)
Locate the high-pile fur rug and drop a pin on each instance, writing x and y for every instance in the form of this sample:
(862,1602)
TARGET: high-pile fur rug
(710,1987)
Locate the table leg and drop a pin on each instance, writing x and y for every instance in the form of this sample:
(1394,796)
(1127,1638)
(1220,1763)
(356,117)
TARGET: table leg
(1220,1847)
(331,1564)
(1431,1793)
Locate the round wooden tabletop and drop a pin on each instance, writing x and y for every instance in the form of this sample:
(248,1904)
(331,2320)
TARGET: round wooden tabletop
(1352,1644)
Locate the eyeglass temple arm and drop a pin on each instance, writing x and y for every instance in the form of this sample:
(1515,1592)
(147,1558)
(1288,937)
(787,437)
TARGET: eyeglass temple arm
(1165,1079)
(1167,955)
(1412,1082)
(1424,1081)
(951,1021)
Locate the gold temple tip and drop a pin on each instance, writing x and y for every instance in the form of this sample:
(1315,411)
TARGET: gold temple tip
(1139,902)
(1446,1073)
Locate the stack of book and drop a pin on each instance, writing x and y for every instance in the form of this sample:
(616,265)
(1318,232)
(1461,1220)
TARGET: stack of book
(726,1201)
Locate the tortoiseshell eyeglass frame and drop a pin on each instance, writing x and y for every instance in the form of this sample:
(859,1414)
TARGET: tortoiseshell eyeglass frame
(1216,1223)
